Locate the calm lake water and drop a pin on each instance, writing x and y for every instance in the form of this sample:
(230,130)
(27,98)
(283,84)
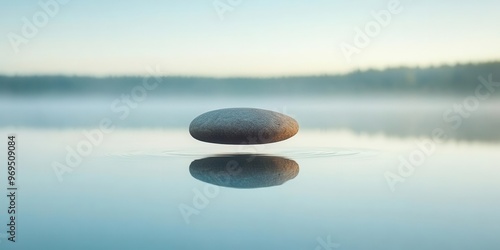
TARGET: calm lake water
(360,174)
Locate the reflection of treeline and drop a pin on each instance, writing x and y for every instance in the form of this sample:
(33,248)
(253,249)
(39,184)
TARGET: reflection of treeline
(458,79)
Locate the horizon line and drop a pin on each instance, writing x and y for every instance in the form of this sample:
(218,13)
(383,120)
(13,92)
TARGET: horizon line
(443,65)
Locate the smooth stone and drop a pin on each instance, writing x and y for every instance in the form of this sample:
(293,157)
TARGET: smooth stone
(244,171)
(243,126)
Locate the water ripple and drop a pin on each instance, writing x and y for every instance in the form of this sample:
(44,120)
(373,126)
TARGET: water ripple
(293,153)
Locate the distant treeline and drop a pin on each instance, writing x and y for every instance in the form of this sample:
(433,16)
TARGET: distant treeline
(460,79)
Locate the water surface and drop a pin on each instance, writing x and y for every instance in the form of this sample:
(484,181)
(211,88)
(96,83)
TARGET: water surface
(154,187)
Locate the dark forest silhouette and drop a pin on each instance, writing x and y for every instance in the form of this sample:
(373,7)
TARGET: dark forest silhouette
(459,79)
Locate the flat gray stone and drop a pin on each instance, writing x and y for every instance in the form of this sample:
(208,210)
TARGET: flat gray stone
(243,126)
(244,171)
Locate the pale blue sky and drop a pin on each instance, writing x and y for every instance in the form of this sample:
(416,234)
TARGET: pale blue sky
(257,38)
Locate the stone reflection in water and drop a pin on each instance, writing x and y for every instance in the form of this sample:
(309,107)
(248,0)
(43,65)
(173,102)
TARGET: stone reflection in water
(244,170)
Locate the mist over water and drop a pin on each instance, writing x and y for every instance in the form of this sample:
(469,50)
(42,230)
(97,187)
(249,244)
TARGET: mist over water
(399,116)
